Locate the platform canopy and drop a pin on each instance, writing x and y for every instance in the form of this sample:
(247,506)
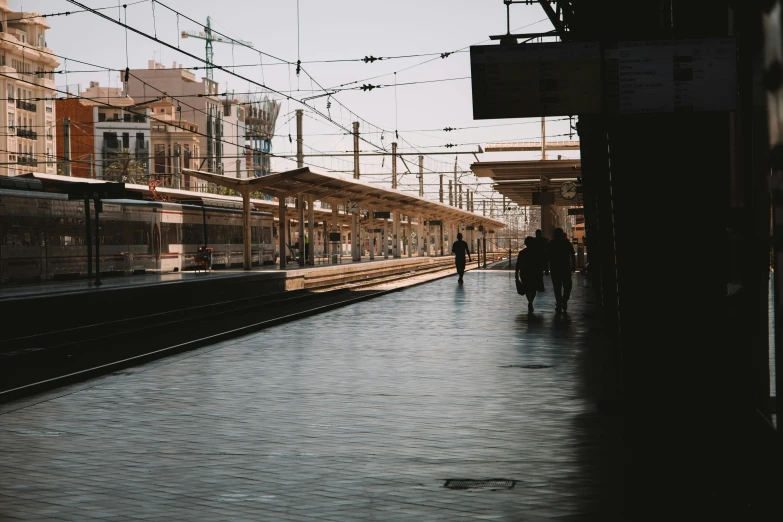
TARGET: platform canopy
(339,191)
(518,180)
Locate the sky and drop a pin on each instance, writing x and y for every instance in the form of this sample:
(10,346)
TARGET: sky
(314,30)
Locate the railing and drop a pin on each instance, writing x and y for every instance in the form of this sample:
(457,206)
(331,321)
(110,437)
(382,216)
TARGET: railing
(27,160)
(26,106)
(26,133)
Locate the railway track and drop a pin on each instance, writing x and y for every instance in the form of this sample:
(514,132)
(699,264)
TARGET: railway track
(34,363)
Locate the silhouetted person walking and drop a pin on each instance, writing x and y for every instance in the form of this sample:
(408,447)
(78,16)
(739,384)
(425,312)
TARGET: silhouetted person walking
(539,248)
(460,249)
(561,263)
(528,271)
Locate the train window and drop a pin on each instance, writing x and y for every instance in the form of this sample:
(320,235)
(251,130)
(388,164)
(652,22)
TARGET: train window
(266,235)
(236,235)
(255,235)
(140,235)
(193,233)
(170,233)
(115,232)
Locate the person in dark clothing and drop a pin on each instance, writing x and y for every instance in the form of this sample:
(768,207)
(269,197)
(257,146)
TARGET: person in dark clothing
(460,249)
(561,262)
(528,271)
(539,246)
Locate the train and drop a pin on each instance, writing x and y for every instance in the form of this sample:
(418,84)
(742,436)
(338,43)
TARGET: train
(43,236)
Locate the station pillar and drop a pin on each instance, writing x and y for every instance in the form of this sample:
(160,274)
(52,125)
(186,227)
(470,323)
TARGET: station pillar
(371,235)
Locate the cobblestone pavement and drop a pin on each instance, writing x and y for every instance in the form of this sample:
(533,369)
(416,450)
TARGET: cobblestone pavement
(357,414)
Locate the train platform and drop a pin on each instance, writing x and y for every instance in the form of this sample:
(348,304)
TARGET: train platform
(269,272)
(384,410)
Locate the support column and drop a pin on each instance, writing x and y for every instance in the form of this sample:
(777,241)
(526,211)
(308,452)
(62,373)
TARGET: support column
(385,245)
(410,240)
(335,228)
(427,238)
(371,235)
(419,242)
(282,232)
(246,236)
(311,230)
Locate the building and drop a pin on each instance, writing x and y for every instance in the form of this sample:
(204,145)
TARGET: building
(104,125)
(200,103)
(174,143)
(27,109)
(260,119)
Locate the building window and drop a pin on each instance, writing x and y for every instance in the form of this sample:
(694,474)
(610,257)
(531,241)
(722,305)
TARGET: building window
(48,156)
(140,140)
(49,103)
(41,41)
(10,93)
(10,120)
(160,159)
(125,140)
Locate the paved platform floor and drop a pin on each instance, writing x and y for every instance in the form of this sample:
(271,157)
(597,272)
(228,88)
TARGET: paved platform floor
(21,290)
(361,413)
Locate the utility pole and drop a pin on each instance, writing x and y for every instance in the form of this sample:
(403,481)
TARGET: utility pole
(440,193)
(460,196)
(396,215)
(92,166)
(421,176)
(543,138)
(451,194)
(357,256)
(300,202)
(455,181)
(67,145)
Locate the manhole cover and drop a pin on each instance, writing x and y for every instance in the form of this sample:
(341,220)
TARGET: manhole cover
(528,366)
(479,484)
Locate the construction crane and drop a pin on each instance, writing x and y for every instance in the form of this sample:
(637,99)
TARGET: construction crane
(208,37)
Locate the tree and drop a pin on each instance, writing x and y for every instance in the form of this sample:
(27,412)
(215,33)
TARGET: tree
(126,168)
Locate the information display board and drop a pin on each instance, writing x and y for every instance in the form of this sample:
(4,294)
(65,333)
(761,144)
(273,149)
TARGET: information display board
(549,79)
(564,79)
(697,75)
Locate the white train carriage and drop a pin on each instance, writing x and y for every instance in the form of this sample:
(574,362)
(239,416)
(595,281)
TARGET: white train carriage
(43,236)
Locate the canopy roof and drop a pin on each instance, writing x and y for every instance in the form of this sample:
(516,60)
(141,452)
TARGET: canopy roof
(339,191)
(518,180)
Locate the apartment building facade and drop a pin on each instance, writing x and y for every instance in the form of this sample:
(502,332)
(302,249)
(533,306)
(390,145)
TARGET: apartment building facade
(105,126)
(198,102)
(175,142)
(27,109)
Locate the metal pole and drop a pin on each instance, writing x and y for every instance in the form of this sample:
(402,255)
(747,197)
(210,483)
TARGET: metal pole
(396,216)
(246,237)
(88,235)
(282,230)
(421,176)
(300,199)
(460,196)
(451,194)
(355,239)
(97,243)
(440,193)
(356,150)
(92,167)
(543,138)
(311,230)
(67,145)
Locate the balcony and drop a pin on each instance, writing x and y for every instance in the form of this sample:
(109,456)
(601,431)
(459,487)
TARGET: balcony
(26,159)
(26,133)
(26,106)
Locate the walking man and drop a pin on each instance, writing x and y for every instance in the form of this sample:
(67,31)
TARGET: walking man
(460,249)
(561,263)
(539,247)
